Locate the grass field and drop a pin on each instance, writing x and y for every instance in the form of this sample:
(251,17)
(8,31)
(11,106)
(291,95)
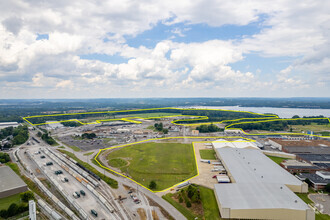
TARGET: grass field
(7,201)
(207,154)
(165,163)
(312,127)
(209,203)
(117,162)
(277,160)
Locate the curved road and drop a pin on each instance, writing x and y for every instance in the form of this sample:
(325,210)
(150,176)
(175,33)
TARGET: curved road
(164,204)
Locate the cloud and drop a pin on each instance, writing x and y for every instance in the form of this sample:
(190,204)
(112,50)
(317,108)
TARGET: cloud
(298,30)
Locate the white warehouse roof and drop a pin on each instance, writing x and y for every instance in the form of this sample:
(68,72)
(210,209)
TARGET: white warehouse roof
(252,166)
(258,196)
(240,143)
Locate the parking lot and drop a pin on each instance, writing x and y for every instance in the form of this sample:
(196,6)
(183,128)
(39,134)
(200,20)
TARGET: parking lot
(87,202)
(205,174)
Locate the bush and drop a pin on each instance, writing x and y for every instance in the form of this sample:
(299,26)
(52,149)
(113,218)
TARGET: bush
(180,199)
(26,196)
(12,210)
(188,204)
(3,213)
(152,185)
(4,157)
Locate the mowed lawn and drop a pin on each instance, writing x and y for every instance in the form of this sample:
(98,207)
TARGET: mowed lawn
(207,154)
(7,201)
(312,127)
(277,160)
(165,163)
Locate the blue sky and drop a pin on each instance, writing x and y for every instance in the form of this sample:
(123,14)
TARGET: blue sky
(80,49)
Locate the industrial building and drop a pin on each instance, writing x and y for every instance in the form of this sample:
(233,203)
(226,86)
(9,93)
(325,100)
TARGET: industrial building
(8,124)
(319,179)
(260,189)
(294,166)
(320,160)
(251,166)
(260,201)
(301,146)
(240,144)
(10,183)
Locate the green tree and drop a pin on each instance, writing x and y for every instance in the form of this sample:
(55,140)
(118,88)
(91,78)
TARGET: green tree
(12,210)
(152,184)
(3,213)
(26,196)
(308,182)
(188,204)
(327,188)
(4,157)
(180,199)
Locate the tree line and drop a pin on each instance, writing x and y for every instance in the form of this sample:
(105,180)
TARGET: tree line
(208,128)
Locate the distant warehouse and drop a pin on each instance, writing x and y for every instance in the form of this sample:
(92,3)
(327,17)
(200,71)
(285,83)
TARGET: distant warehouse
(10,183)
(260,188)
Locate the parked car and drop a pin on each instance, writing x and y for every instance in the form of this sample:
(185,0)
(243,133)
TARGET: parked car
(57,172)
(42,157)
(76,195)
(49,163)
(82,192)
(94,212)
(64,180)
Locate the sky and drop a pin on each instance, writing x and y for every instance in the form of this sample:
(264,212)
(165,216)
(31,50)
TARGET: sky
(144,48)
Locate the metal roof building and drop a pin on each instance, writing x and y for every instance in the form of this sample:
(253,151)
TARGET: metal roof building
(251,166)
(260,201)
(261,189)
(240,143)
(10,183)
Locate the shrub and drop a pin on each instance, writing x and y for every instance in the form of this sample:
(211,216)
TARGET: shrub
(26,196)
(180,199)
(188,204)
(12,210)
(152,185)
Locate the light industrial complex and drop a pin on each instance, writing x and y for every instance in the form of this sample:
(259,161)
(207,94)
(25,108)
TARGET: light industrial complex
(259,188)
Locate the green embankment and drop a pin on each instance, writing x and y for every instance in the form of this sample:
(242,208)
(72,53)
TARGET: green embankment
(209,203)
(165,163)
(7,201)
(184,211)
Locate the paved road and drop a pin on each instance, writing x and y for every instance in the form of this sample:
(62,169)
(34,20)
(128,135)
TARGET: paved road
(165,205)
